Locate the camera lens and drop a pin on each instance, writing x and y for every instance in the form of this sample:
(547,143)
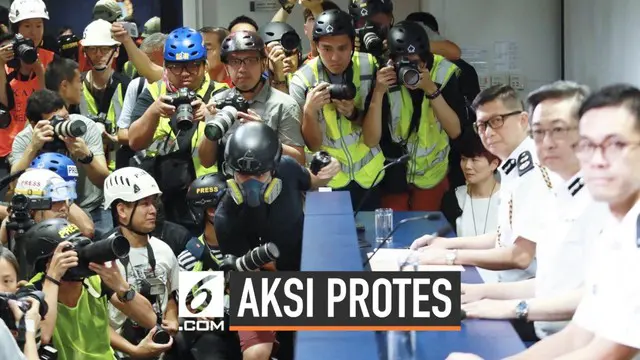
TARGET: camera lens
(342,91)
(408,75)
(161,336)
(258,257)
(372,43)
(27,53)
(290,41)
(220,123)
(69,128)
(184,116)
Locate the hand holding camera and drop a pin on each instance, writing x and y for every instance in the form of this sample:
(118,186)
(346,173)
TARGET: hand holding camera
(111,276)
(63,259)
(147,348)
(65,132)
(186,104)
(6,54)
(276,56)
(324,166)
(42,133)
(385,78)
(318,97)
(227,111)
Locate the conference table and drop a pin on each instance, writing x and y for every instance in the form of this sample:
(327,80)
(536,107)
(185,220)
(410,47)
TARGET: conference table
(330,243)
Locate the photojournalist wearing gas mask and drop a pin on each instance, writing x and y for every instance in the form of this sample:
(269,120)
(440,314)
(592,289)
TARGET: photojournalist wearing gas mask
(167,122)
(264,203)
(332,89)
(53,129)
(284,50)
(252,99)
(150,268)
(418,102)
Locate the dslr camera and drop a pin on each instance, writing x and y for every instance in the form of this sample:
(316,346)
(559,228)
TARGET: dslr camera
(251,261)
(182,100)
(290,41)
(342,91)
(152,288)
(407,72)
(371,39)
(66,128)
(102,119)
(320,160)
(21,297)
(5,118)
(227,114)
(115,246)
(24,49)
(20,219)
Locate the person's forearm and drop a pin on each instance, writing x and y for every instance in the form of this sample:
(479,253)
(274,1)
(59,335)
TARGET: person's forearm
(4,237)
(139,309)
(311,130)
(447,117)
(171,312)
(81,219)
(372,122)
(484,241)
(123,137)
(97,171)
(31,347)
(25,160)
(208,152)
(446,48)
(38,69)
(557,308)
(3,212)
(121,344)
(141,131)
(4,97)
(317,182)
(553,346)
(48,324)
(145,67)
(524,289)
(500,258)
(296,152)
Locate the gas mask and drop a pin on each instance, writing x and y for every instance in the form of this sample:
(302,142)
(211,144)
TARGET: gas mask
(254,192)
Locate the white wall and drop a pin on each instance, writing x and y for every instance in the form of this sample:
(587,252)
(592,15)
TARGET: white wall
(602,45)
(532,25)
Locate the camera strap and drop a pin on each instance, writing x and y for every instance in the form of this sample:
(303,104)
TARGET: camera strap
(152,262)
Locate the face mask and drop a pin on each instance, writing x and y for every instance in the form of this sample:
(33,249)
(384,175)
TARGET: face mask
(252,189)
(254,192)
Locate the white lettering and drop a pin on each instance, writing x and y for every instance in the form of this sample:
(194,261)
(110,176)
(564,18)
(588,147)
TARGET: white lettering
(418,298)
(440,296)
(309,297)
(202,325)
(402,284)
(355,298)
(269,297)
(295,297)
(248,300)
(388,293)
(333,299)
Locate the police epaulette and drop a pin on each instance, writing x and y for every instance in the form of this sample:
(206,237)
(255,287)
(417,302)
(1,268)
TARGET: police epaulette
(525,163)
(576,185)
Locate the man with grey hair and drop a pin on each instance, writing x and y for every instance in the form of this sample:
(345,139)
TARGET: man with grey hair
(551,298)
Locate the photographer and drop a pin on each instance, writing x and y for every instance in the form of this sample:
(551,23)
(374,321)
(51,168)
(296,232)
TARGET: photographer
(243,54)
(78,290)
(284,50)
(418,98)
(63,76)
(104,89)
(171,144)
(151,267)
(25,62)
(51,130)
(331,90)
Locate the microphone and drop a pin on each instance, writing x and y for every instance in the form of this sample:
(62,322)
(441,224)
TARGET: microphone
(431,217)
(5,181)
(401,160)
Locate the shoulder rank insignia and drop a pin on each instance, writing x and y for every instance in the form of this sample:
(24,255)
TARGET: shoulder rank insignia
(508,166)
(525,163)
(575,186)
(638,232)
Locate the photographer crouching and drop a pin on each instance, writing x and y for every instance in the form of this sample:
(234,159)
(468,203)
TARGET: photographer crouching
(151,267)
(263,204)
(167,122)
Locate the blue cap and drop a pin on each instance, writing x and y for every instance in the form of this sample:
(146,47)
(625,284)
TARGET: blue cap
(184,45)
(57,163)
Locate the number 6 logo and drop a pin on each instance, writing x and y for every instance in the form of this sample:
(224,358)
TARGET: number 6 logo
(202,294)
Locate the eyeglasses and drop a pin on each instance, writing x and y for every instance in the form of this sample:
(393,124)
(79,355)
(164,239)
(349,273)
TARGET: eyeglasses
(495,122)
(249,61)
(556,133)
(191,67)
(94,49)
(611,149)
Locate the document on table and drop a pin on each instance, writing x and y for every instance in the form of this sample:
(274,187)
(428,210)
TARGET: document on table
(390,260)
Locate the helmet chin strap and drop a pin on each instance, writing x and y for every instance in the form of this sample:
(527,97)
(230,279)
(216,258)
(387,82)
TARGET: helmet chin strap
(101,68)
(253,89)
(129,225)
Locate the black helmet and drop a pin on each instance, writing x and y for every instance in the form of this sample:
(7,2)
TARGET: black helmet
(333,23)
(363,8)
(281,32)
(41,240)
(206,191)
(408,38)
(241,41)
(253,149)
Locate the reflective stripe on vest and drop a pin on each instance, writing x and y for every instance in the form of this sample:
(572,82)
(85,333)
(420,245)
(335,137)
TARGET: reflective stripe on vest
(164,131)
(129,69)
(429,145)
(341,138)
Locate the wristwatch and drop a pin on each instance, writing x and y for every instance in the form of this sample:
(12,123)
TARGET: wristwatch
(87,160)
(127,296)
(522,310)
(451,256)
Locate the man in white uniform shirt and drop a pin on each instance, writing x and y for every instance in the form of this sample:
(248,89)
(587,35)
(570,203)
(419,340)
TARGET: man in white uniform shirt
(525,195)
(553,296)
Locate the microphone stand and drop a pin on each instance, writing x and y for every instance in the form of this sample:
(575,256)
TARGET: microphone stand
(400,160)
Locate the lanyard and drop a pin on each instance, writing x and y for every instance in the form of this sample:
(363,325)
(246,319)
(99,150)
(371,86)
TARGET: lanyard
(152,262)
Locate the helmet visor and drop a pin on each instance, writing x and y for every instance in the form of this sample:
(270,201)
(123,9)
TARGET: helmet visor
(61,191)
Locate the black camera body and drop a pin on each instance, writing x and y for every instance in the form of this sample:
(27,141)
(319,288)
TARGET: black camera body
(151,288)
(371,39)
(115,246)
(5,118)
(407,72)
(251,261)
(102,119)
(66,128)
(320,160)
(24,49)
(21,298)
(20,219)
(227,114)
(235,100)
(182,100)
(342,91)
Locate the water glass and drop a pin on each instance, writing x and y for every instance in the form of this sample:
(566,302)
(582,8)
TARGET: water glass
(384,224)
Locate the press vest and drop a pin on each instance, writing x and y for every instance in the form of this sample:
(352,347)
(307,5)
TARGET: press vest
(164,131)
(342,139)
(429,144)
(130,70)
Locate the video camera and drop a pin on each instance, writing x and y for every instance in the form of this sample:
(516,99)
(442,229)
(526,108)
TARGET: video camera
(115,246)
(227,114)
(251,261)
(20,218)
(21,297)
(182,100)
(66,128)
(102,119)
(371,37)
(23,49)
(320,160)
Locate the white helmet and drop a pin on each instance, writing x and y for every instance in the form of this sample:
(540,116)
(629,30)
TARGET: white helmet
(27,9)
(98,33)
(43,184)
(129,184)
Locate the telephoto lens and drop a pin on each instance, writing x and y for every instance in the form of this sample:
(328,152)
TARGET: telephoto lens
(253,260)
(342,91)
(220,123)
(161,336)
(408,73)
(68,128)
(372,43)
(113,247)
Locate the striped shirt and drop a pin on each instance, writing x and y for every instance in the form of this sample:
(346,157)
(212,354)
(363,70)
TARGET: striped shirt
(187,261)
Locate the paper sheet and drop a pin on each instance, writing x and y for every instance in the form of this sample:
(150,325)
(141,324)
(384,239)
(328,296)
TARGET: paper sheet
(389,260)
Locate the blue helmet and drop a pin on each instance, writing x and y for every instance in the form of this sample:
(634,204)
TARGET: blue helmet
(57,163)
(184,45)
